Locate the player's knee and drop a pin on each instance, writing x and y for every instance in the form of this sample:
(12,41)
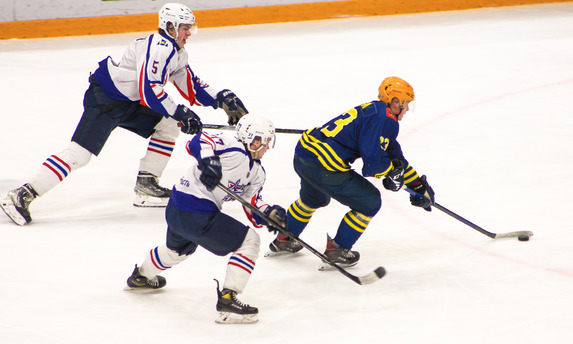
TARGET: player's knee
(170,256)
(371,203)
(251,245)
(75,156)
(314,202)
(167,129)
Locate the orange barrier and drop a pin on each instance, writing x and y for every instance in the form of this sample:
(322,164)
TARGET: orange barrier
(246,16)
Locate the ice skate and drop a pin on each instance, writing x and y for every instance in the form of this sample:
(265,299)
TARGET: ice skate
(342,257)
(233,311)
(148,192)
(17,202)
(138,282)
(283,245)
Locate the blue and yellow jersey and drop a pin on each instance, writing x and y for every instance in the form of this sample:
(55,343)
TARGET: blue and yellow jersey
(368,131)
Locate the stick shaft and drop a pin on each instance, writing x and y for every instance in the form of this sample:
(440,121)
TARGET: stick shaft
(471,224)
(286,232)
(229,127)
(466,222)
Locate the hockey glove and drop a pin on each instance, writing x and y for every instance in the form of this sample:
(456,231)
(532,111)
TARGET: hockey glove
(211,172)
(189,121)
(278,215)
(425,192)
(395,178)
(232,105)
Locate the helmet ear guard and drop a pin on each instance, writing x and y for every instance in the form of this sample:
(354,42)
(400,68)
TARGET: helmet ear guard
(395,87)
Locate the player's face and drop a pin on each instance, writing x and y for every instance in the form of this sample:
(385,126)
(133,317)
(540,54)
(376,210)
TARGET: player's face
(398,110)
(183,33)
(258,149)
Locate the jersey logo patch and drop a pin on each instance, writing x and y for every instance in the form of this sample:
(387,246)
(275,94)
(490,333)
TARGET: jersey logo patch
(236,187)
(390,114)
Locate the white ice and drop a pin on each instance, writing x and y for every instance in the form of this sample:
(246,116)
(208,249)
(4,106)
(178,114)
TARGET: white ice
(493,131)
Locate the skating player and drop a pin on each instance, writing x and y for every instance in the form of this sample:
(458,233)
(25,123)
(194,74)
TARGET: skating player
(194,216)
(131,94)
(323,158)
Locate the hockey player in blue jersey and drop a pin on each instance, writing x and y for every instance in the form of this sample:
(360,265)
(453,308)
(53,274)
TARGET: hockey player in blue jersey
(195,218)
(323,158)
(131,94)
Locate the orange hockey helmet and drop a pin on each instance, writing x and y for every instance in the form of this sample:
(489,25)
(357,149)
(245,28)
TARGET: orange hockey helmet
(395,87)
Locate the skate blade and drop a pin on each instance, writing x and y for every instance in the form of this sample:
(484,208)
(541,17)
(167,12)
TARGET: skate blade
(328,267)
(146,201)
(278,254)
(232,318)
(143,290)
(11,211)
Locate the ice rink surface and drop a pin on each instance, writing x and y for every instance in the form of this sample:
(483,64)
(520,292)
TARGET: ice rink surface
(493,131)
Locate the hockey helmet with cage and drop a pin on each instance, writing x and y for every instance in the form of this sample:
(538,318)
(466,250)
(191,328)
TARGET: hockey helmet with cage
(176,15)
(252,127)
(395,87)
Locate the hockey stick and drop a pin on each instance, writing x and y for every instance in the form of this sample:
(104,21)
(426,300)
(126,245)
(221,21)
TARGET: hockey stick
(517,234)
(372,277)
(229,127)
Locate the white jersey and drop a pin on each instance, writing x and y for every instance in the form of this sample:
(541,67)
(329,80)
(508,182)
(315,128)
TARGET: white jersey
(144,70)
(241,174)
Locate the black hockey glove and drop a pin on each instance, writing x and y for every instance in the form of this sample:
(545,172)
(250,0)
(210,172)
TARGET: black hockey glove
(211,172)
(278,215)
(232,105)
(426,200)
(189,121)
(395,178)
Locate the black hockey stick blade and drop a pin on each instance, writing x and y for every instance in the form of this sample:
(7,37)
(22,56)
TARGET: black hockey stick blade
(230,127)
(372,277)
(516,234)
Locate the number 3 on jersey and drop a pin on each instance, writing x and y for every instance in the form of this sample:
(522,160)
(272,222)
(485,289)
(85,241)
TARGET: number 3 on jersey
(339,123)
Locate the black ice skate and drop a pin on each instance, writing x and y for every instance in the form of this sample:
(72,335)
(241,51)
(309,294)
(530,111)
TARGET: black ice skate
(233,311)
(17,202)
(283,245)
(343,257)
(148,192)
(136,281)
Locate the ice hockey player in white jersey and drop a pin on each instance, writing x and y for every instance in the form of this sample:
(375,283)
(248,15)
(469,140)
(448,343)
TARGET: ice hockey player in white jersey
(131,94)
(194,216)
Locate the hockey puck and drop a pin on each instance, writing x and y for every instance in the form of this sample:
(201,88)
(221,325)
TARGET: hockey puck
(523,238)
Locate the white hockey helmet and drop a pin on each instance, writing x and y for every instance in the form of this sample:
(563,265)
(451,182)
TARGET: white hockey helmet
(252,127)
(176,14)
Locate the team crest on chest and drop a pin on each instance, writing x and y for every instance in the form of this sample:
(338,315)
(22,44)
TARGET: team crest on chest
(236,187)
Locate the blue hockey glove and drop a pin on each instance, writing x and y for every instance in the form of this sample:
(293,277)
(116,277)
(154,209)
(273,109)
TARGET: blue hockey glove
(277,214)
(232,105)
(189,121)
(395,178)
(423,188)
(211,172)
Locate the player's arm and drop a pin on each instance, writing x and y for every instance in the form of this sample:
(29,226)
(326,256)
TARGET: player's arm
(202,147)
(153,72)
(274,212)
(413,181)
(200,93)
(377,138)
(193,89)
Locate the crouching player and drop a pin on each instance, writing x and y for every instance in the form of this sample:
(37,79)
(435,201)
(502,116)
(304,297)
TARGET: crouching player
(194,216)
